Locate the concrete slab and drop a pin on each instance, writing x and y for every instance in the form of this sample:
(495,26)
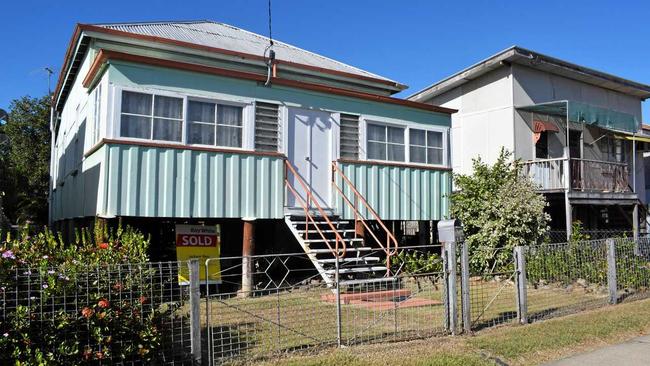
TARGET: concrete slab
(635,352)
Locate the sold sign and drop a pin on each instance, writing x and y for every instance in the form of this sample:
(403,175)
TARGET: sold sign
(196,236)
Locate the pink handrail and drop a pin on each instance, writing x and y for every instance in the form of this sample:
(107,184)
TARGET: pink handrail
(338,252)
(390,239)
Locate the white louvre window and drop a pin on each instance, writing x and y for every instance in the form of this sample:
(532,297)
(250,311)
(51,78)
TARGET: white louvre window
(267,126)
(151,117)
(214,124)
(425,147)
(386,143)
(349,136)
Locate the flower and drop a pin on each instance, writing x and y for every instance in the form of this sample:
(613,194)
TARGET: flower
(103,245)
(87,312)
(6,335)
(45,286)
(143,300)
(99,355)
(103,303)
(118,286)
(8,254)
(45,257)
(51,271)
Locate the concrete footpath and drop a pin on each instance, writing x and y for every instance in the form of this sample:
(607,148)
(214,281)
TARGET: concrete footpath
(631,353)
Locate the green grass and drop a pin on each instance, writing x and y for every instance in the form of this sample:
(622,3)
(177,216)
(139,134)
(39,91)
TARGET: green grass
(257,329)
(515,345)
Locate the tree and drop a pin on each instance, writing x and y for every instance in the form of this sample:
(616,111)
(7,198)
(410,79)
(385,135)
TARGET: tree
(26,161)
(499,210)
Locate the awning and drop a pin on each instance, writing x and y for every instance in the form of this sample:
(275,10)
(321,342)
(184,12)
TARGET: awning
(579,112)
(541,126)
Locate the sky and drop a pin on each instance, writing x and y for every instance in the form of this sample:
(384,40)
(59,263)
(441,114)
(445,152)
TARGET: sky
(414,42)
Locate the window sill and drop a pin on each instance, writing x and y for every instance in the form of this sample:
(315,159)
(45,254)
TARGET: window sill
(395,164)
(179,146)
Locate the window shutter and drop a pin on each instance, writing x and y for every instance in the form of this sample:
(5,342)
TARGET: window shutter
(349,136)
(267,129)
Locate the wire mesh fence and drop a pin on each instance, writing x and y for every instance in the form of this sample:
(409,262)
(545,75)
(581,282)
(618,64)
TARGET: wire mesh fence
(293,306)
(492,290)
(565,278)
(117,314)
(632,268)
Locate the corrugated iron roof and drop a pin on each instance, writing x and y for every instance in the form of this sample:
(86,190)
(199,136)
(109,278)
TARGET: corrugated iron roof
(220,35)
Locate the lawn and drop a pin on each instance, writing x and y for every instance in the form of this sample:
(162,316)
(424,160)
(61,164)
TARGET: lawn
(257,328)
(514,345)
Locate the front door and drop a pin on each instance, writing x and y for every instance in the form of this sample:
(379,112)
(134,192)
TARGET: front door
(309,150)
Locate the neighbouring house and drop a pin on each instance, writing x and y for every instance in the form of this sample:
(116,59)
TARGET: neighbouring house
(577,131)
(168,123)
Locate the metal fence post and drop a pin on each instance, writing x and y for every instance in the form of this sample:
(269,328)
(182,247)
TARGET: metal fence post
(337,280)
(520,283)
(464,288)
(451,308)
(611,271)
(195,310)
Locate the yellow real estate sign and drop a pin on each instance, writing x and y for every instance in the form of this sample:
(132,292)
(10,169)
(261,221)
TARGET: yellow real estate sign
(202,242)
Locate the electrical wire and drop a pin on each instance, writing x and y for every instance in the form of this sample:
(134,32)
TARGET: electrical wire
(269,49)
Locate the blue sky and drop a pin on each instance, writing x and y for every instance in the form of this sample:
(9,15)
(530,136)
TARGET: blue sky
(414,42)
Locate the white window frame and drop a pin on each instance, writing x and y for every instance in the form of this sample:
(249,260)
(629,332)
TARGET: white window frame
(248,115)
(153,116)
(426,145)
(246,125)
(407,126)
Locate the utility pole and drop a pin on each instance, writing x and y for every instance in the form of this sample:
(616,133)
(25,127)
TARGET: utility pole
(49,80)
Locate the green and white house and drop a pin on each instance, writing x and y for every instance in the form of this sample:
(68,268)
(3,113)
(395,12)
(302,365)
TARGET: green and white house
(168,123)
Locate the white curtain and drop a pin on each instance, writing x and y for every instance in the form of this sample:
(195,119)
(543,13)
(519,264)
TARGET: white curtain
(229,126)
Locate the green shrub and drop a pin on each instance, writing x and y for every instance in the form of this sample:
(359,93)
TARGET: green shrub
(499,210)
(62,314)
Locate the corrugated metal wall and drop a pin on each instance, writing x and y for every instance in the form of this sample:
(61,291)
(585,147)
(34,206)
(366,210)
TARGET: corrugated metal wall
(165,182)
(397,193)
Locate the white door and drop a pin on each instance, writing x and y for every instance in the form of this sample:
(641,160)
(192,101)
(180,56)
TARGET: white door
(309,150)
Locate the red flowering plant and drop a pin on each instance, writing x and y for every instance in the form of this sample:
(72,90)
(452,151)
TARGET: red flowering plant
(79,302)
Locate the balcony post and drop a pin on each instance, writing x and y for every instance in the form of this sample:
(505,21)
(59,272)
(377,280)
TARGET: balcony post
(568,211)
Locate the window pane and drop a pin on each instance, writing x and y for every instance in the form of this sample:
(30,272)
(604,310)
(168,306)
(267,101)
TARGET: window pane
(417,137)
(376,150)
(434,139)
(376,133)
(199,133)
(396,134)
(418,154)
(167,130)
(135,126)
(396,152)
(200,111)
(434,156)
(229,115)
(137,103)
(229,136)
(168,107)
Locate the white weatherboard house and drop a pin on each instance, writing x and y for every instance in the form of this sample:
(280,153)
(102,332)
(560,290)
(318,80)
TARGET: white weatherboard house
(576,129)
(167,123)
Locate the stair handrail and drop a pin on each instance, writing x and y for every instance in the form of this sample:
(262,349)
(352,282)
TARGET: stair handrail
(359,218)
(338,252)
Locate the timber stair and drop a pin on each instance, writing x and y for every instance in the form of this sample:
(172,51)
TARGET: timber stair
(358,266)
